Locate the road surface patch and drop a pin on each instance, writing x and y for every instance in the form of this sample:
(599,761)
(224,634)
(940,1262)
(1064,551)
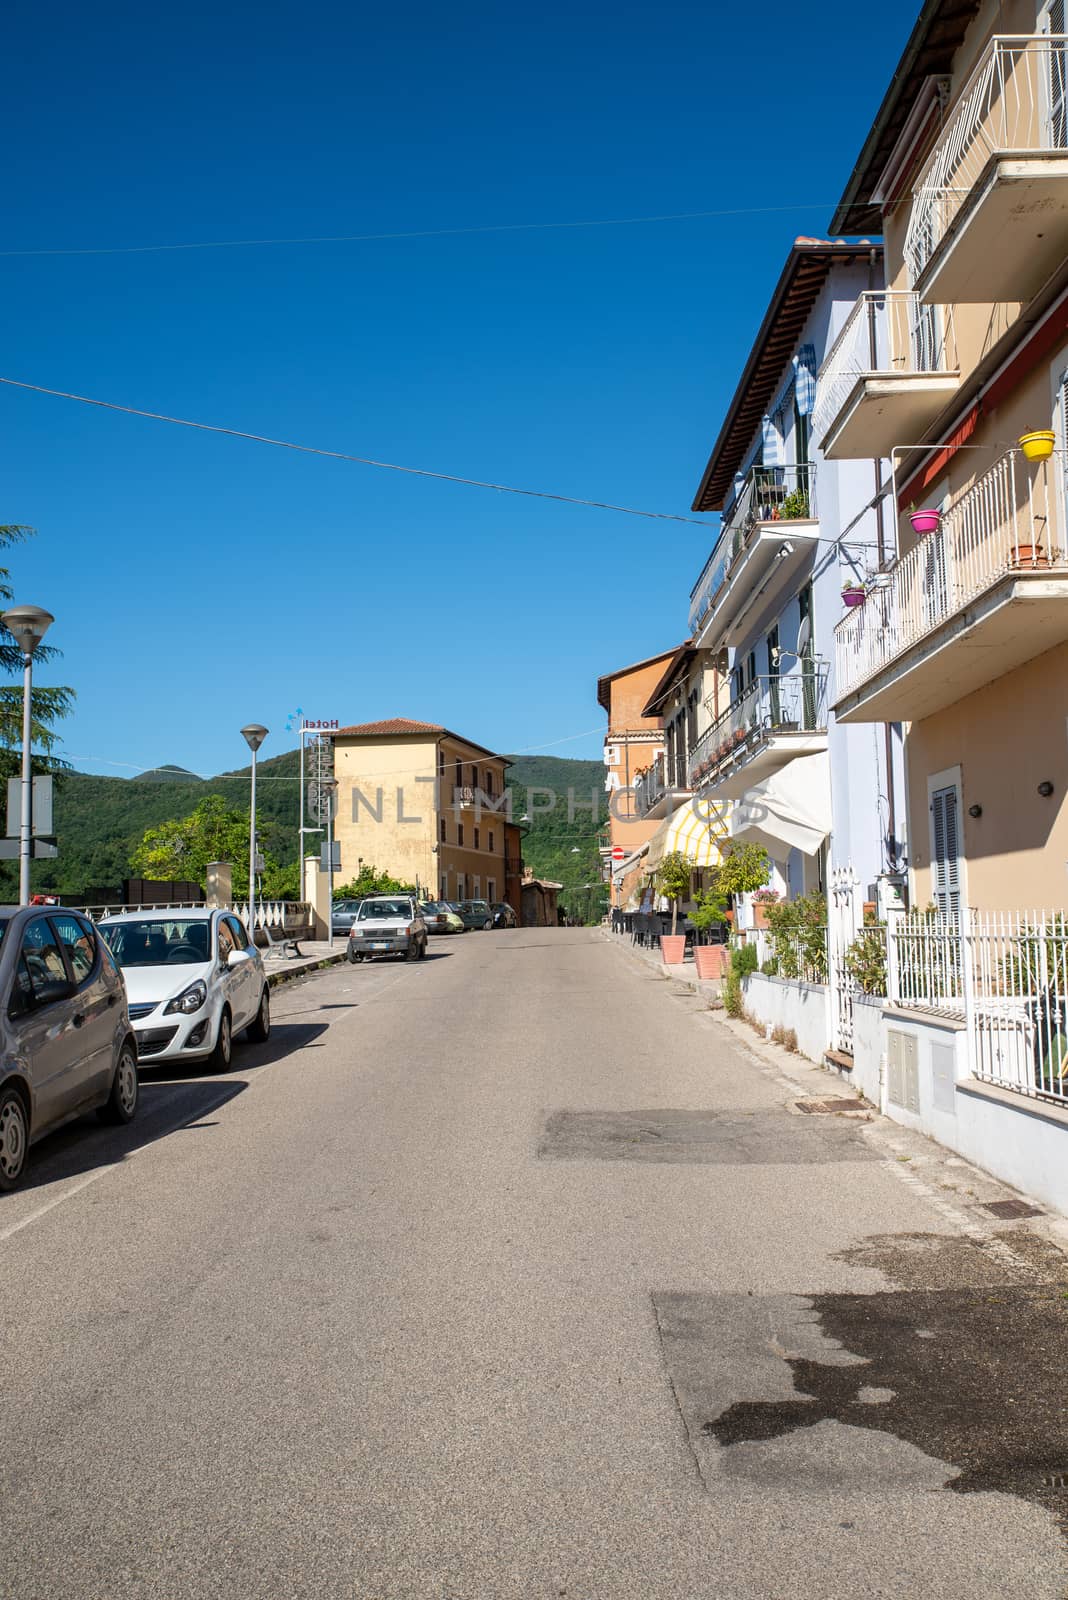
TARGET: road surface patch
(701,1137)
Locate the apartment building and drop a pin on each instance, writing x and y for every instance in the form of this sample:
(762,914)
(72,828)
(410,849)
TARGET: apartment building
(631,745)
(964,635)
(425,804)
(793,532)
(686,699)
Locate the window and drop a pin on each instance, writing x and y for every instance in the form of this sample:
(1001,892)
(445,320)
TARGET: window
(945,849)
(79,941)
(444,886)
(477,891)
(474,777)
(444,831)
(491,890)
(459,833)
(226,942)
(240,936)
(459,772)
(461,891)
(476,838)
(491,841)
(41,974)
(441,763)
(489,782)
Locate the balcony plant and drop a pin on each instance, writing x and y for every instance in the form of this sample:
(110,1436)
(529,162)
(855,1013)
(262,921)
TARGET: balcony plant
(793,507)
(799,934)
(673,877)
(761,901)
(1038,444)
(853,594)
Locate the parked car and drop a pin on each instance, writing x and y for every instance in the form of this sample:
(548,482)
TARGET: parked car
(194,979)
(343,915)
(388,924)
(441,918)
(476,913)
(503,915)
(65,1038)
(454,907)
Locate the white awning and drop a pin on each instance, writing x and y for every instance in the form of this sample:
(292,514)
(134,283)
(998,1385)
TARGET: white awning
(697,828)
(792,808)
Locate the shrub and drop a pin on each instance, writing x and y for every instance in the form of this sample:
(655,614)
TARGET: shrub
(799,937)
(744,960)
(865,959)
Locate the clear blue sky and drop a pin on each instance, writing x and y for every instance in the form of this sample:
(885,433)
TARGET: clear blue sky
(201,582)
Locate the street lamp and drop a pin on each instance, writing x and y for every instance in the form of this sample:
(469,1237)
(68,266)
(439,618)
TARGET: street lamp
(28,626)
(253,734)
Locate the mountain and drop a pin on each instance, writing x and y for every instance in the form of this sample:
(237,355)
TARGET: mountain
(100,821)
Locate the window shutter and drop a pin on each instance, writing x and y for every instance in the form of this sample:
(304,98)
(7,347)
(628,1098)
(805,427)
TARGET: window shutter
(1058,79)
(945,855)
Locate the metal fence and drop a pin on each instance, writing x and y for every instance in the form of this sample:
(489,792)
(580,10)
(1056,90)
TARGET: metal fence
(889,332)
(800,954)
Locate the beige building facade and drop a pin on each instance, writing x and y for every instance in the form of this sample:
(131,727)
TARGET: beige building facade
(964,633)
(631,745)
(424,804)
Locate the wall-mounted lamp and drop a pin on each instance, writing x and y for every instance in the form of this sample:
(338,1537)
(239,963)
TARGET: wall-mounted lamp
(785,549)
(1045,788)
(975,811)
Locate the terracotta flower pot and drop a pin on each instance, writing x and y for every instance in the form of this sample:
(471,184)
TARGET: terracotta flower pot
(1029,555)
(672,948)
(711,959)
(760,914)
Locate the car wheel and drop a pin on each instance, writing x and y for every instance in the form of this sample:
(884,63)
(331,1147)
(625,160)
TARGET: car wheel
(259,1029)
(219,1060)
(412,952)
(352,955)
(422,949)
(487,924)
(121,1103)
(14,1138)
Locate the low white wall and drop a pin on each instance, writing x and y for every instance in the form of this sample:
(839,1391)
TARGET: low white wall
(1021,1141)
(790,1004)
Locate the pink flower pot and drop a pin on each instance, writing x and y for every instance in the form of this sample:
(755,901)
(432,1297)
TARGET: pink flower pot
(672,948)
(925,521)
(711,959)
(852,597)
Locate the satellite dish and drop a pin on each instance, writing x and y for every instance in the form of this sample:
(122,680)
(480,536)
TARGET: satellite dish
(804,635)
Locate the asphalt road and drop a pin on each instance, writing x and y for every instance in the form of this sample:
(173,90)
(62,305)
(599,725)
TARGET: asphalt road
(514,1273)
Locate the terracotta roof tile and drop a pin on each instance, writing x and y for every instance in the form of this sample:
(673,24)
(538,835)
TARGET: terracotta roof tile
(372,730)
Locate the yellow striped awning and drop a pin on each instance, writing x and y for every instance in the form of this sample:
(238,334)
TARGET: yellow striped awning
(697,828)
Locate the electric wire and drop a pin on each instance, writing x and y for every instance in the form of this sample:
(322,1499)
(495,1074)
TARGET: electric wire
(363,461)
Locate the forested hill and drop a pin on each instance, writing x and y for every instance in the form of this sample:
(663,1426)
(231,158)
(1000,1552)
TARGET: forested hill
(100,821)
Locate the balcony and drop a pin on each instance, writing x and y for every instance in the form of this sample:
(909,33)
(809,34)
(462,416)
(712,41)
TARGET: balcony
(776,719)
(654,795)
(983,594)
(763,543)
(886,378)
(989,215)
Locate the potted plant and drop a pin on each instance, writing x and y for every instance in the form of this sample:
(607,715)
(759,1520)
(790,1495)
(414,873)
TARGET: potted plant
(926,520)
(761,901)
(710,959)
(853,594)
(1038,444)
(740,735)
(1029,555)
(673,877)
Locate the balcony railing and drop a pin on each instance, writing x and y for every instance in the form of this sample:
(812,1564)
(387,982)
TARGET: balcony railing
(999,526)
(768,494)
(793,704)
(1015,101)
(889,332)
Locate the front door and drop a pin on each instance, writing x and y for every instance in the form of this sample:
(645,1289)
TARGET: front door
(247,988)
(42,1007)
(96,1000)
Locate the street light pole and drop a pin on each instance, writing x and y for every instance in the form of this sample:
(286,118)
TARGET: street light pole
(28,626)
(253,734)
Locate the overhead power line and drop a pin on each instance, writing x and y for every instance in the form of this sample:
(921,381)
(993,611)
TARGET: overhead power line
(363,461)
(418,233)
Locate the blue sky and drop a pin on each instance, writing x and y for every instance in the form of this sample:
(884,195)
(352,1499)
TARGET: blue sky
(200,582)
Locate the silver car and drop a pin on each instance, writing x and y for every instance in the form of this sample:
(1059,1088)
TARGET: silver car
(388,924)
(65,1037)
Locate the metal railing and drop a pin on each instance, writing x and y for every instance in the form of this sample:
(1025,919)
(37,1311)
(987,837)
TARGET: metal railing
(767,494)
(1014,101)
(794,703)
(269,913)
(888,332)
(800,954)
(1001,524)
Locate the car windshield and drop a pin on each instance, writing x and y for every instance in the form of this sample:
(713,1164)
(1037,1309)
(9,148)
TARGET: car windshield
(435,907)
(161,942)
(371,909)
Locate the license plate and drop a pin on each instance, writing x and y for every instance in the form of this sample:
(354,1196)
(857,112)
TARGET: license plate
(380,944)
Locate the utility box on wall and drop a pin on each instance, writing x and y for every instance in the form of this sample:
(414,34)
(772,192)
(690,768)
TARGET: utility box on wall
(902,1070)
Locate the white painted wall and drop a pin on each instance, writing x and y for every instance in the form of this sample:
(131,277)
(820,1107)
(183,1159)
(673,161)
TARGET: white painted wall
(800,1006)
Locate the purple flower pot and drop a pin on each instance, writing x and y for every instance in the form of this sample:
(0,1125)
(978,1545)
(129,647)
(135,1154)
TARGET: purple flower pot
(853,597)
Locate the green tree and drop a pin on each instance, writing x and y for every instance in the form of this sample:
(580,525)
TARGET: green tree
(673,877)
(744,867)
(47,706)
(371,881)
(213,831)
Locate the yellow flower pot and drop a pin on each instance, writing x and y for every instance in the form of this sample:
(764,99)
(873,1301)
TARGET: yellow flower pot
(1038,446)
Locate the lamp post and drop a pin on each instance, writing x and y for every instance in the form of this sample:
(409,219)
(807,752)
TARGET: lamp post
(253,734)
(28,626)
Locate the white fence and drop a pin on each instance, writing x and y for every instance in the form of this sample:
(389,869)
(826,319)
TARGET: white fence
(269,913)
(1015,100)
(888,332)
(1001,524)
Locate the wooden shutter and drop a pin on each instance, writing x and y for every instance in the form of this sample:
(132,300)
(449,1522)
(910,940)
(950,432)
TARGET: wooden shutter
(945,853)
(1058,79)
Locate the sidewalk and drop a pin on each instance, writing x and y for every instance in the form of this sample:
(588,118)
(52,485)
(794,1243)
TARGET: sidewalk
(315,953)
(684,972)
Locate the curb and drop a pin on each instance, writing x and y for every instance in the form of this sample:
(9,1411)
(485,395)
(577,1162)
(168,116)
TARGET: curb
(289,974)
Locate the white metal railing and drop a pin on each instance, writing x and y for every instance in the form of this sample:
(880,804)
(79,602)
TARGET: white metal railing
(888,332)
(274,913)
(783,493)
(1014,100)
(791,703)
(800,954)
(1001,524)
(97,913)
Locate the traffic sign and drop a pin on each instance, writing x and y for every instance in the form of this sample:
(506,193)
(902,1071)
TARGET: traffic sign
(618,852)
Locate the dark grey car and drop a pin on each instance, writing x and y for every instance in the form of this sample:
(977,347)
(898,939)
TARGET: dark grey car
(66,1045)
(343,914)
